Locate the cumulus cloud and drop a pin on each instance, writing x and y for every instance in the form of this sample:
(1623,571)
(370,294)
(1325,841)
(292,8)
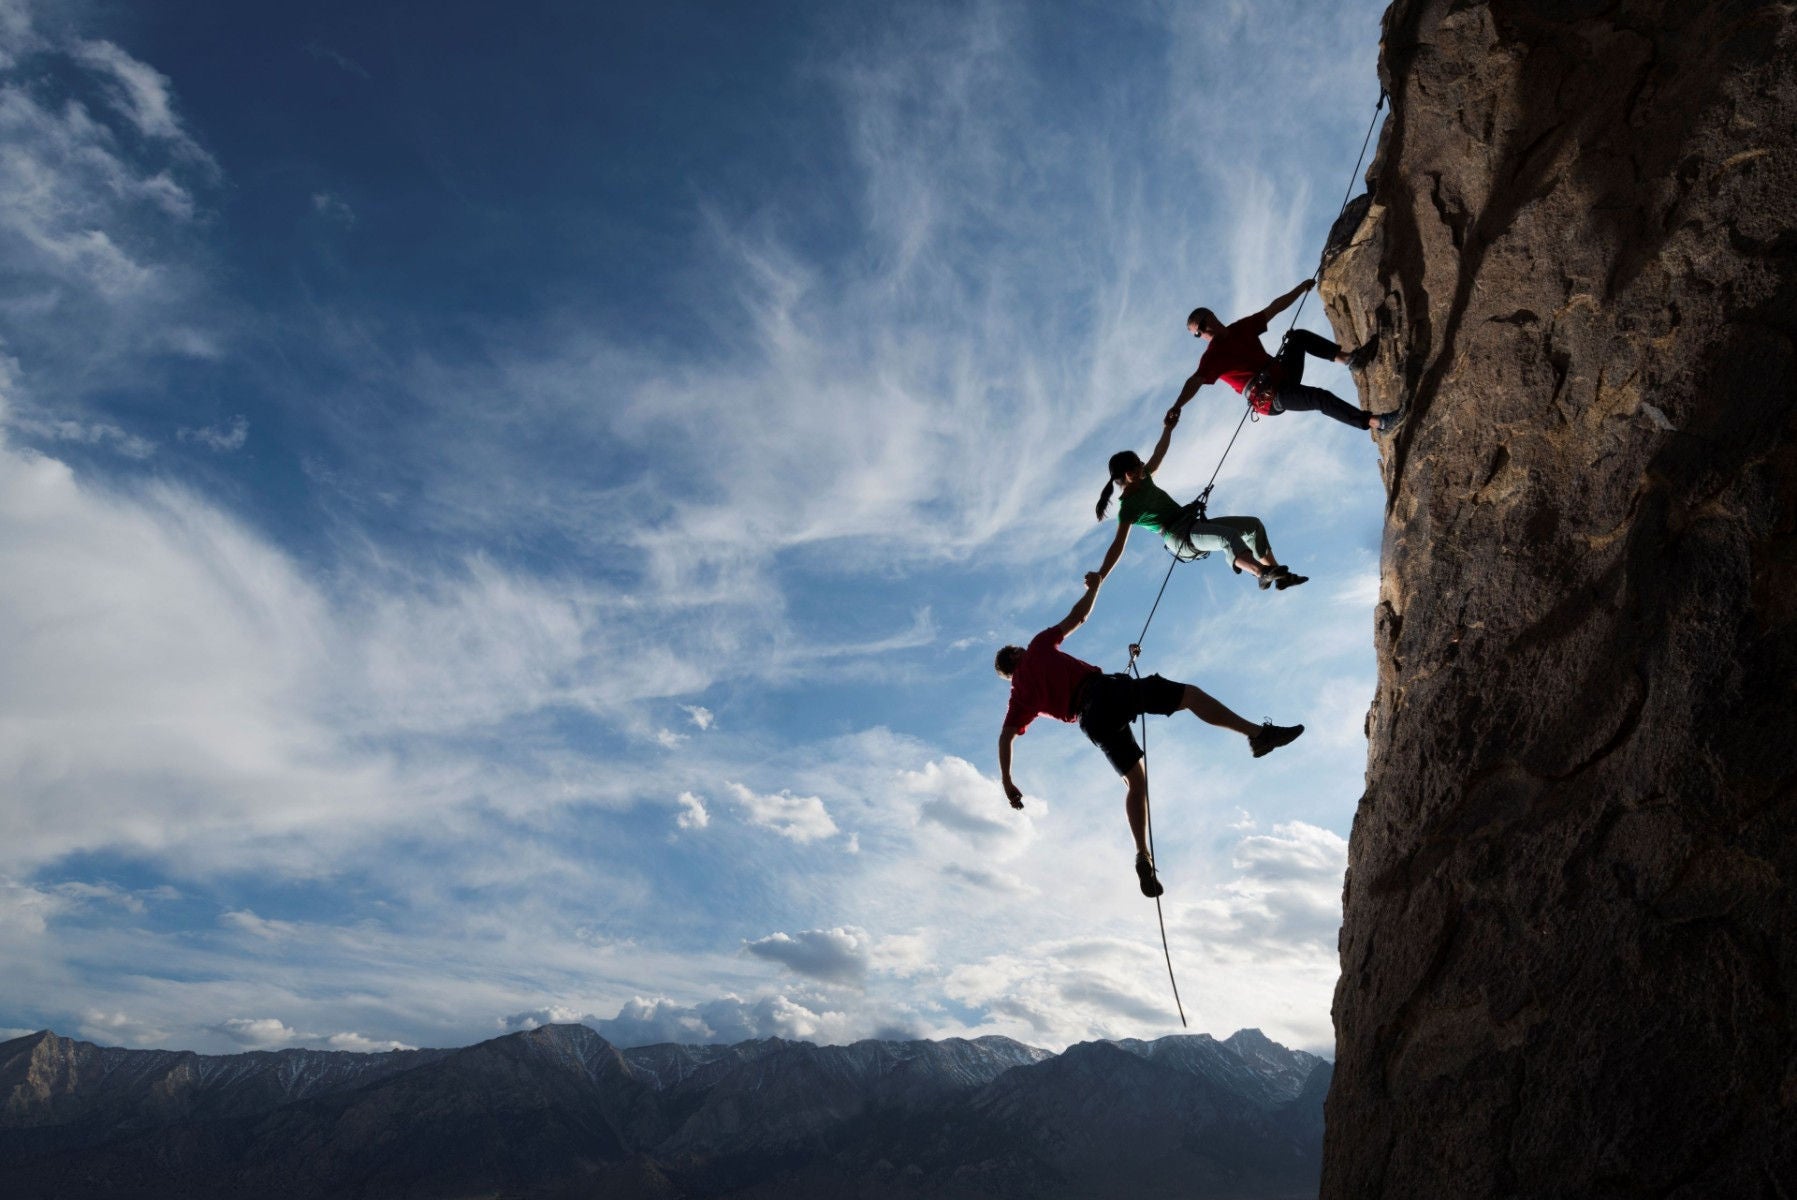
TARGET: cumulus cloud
(268,1033)
(536,1018)
(727,1019)
(359,1044)
(24,909)
(1287,900)
(832,955)
(965,819)
(1098,988)
(800,818)
(692,812)
(699,715)
(259,1033)
(117,1028)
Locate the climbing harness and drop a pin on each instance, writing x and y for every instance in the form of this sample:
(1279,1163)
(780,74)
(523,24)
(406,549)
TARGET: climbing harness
(1262,392)
(1255,412)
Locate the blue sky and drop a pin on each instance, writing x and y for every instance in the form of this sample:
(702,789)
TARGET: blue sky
(506,517)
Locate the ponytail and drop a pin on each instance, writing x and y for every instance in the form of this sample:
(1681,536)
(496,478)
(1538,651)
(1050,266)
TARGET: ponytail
(1122,462)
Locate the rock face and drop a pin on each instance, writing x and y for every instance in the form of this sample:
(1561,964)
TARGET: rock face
(559,1112)
(1569,952)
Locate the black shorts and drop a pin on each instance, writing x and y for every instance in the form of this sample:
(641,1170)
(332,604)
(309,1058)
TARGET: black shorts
(1108,703)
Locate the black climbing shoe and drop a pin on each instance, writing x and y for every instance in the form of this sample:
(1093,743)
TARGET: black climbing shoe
(1386,422)
(1151,884)
(1268,738)
(1290,580)
(1266,579)
(1360,358)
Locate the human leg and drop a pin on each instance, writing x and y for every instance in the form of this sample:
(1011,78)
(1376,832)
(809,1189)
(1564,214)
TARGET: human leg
(1135,805)
(1252,533)
(1300,342)
(1211,711)
(1297,397)
(1262,738)
(1226,535)
(1112,702)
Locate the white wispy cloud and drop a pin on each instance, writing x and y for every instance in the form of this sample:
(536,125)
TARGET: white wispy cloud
(338,59)
(860,472)
(334,208)
(140,91)
(226,439)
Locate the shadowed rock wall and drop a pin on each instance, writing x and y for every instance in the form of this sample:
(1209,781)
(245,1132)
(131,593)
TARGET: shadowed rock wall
(1569,952)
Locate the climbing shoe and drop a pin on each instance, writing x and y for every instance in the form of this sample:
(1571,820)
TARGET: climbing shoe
(1151,884)
(1386,422)
(1265,579)
(1360,358)
(1290,580)
(1268,738)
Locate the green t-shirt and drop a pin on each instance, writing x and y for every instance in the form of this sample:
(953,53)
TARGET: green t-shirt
(1147,505)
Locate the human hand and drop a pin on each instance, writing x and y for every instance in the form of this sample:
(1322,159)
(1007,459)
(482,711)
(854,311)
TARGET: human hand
(1015,793)
(1307,284)
(1172,417)
(1093,579)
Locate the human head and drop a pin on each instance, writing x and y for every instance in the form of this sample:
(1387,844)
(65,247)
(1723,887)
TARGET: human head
(1122,465)
(1006,660)
(1203,322)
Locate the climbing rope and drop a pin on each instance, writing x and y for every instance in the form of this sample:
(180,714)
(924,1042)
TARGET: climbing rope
(1135,647)
(1148,822)
(1204,496)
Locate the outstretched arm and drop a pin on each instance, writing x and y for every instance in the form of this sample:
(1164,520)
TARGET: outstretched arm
(1160,447)
(1284,302)
(1082,608)
(1012,791)
(1114,553)
(1188,391)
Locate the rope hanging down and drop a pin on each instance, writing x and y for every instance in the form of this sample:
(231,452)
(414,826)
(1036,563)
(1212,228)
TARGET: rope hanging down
(1135,647)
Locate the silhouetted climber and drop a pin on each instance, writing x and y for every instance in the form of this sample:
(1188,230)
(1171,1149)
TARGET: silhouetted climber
(1273,385)
(1047,680)
(1185,529)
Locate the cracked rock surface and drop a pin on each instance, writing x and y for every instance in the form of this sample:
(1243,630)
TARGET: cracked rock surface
(1569,950)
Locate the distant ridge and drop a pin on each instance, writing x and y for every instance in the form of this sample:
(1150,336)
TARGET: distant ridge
(559,1111)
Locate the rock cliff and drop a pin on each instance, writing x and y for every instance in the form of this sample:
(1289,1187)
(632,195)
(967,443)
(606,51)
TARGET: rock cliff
(1569,952)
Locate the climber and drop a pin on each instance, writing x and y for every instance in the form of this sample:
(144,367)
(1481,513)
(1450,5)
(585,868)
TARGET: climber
(1046,679)
(1185,530)
(1273,385)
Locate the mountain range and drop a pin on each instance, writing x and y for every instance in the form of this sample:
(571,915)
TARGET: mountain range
(558,1112)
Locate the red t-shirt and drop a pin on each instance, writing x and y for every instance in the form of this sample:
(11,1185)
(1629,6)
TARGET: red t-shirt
(1044,681)
(1235,355)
